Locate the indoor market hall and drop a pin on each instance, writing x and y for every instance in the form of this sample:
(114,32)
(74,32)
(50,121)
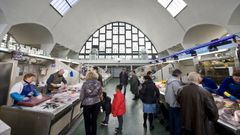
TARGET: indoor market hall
(133,119)
(119,67)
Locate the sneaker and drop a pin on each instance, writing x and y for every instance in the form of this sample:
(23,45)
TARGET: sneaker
(104,123)
(151,127)
(118,130)
(144,125)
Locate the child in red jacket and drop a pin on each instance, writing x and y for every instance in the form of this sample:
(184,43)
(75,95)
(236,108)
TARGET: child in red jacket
(119,107)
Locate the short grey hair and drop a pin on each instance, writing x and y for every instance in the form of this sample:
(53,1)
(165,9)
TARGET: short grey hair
(193,77)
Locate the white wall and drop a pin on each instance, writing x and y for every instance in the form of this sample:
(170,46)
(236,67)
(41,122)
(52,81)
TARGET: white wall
(60,65)
(185,66)
(84,18)
(165,73)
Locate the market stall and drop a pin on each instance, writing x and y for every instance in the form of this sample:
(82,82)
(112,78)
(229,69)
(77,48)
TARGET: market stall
(59,112)
(53,116)
(229,113)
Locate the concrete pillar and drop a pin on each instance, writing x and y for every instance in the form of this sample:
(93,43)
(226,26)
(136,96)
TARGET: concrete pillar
(4,28)
(73,55)
(63,53)
(47,48)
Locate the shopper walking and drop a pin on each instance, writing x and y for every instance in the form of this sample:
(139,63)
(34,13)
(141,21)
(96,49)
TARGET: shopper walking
(172,88)
(149,95)
(124,80)
(198,108)
(134,84)
(90,99)
(100,78)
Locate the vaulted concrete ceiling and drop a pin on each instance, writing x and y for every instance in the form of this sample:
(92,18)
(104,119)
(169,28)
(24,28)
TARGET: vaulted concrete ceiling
(84,18)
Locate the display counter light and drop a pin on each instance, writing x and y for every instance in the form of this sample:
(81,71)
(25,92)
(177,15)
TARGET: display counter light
(218,42)
(191,57)
(41,56)
(4,49)
(207,53)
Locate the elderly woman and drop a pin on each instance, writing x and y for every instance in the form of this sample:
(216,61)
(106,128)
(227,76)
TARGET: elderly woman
(90,99)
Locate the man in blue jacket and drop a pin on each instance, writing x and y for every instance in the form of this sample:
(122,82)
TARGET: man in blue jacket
(209,84)
(230,87)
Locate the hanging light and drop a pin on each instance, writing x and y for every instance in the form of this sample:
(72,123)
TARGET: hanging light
(193,53)
(175,57)
(212,48)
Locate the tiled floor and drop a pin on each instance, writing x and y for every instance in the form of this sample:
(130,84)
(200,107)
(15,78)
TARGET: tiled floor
(133,121)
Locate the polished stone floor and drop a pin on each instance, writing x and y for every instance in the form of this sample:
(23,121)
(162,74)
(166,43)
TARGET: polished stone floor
(133,119)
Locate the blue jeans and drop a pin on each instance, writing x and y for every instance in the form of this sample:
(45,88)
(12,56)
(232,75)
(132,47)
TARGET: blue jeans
(175,123)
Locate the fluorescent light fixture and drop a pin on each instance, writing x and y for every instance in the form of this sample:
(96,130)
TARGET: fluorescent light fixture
(188,58)
(176,6)
(4,49)
(74,62)
(64,60)
(40,56)
(222,50)
(169,61)
(164,3)
(207,53)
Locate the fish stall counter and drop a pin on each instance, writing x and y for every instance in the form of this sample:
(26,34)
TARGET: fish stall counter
(51,117)
(229,116)
(229,113)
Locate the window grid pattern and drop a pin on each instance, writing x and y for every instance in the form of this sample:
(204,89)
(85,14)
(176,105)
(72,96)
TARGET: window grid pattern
(174,7)
(118,40)
(63,6)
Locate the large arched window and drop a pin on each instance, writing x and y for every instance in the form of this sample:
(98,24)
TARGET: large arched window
(118,40)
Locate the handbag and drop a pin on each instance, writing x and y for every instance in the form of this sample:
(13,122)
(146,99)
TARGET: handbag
(141,92)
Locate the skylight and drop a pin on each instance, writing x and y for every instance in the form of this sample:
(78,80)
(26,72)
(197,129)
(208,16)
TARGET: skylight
(72,2)
(164,3)
(174,7)
(63,6)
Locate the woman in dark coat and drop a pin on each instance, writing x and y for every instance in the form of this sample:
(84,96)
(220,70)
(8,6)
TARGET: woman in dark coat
(134,83)
(149,95)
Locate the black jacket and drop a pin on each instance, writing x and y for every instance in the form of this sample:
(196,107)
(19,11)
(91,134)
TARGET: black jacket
(106,105)
(149,93)
(123,78)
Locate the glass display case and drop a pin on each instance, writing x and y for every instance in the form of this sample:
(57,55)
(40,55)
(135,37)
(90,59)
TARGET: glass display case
(217,69)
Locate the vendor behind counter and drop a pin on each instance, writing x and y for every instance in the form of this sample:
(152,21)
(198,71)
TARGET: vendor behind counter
(24,90)
(209,84)
(230,87)
(54,81)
